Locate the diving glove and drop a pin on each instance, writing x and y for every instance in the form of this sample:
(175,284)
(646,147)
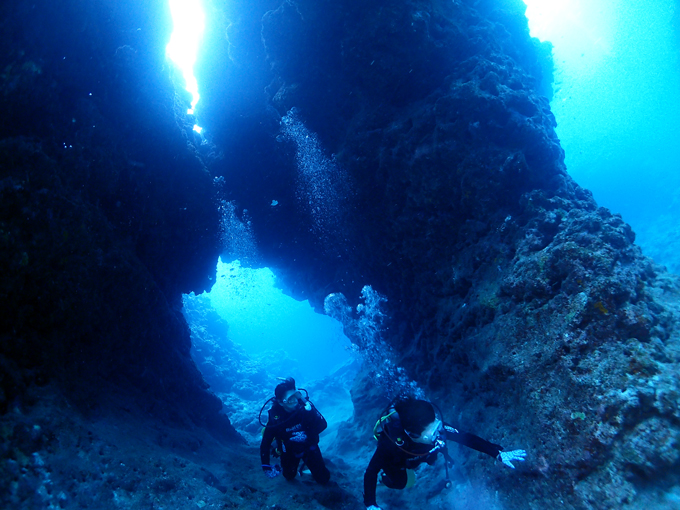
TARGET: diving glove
(507,457)
(271,471)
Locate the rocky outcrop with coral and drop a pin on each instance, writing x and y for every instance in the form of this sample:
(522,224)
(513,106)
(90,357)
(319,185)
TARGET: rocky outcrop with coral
(107,214)
(514,300)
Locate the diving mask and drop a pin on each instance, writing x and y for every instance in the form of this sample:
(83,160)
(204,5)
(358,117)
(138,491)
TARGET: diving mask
(430,434)
(291,398)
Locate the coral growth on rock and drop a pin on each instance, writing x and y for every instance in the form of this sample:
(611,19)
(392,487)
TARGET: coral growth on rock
(513,299)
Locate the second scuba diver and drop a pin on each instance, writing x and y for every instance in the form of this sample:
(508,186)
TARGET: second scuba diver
(412,434)
(295,424)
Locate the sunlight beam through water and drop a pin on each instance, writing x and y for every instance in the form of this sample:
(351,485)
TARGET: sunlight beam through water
(188,23)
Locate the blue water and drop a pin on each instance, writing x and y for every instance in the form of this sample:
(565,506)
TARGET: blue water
(262,318)
(617,105)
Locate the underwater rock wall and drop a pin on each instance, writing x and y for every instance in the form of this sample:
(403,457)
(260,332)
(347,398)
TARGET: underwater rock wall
(106,212)
(521,306)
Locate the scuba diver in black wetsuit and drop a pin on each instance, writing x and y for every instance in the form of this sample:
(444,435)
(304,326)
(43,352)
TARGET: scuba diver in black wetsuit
(295,424)
(412,434)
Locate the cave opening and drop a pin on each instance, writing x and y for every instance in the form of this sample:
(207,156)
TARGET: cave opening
(262,318)
(247,334)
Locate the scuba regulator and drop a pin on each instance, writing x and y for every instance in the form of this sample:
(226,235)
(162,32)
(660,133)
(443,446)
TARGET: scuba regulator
(296,398)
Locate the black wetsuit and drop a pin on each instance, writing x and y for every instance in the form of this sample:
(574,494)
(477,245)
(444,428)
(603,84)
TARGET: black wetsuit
(394,460)
(297,433)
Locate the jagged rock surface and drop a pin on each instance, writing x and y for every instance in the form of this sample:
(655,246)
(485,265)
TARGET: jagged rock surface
(107,214)
(513,298)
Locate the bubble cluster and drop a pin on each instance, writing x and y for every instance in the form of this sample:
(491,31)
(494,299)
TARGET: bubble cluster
(364,327)
(236,235)
(322,185)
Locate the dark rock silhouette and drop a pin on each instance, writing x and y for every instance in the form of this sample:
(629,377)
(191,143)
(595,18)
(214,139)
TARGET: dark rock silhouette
(108,215)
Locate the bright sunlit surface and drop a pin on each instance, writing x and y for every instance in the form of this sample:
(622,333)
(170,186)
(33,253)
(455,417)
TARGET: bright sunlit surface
(262,318)
(188,21)
(616,102)
(615,95)
(581,31)
(544,16)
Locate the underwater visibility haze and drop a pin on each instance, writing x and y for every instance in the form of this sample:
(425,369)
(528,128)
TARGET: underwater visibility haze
(237,235)
(617,106)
